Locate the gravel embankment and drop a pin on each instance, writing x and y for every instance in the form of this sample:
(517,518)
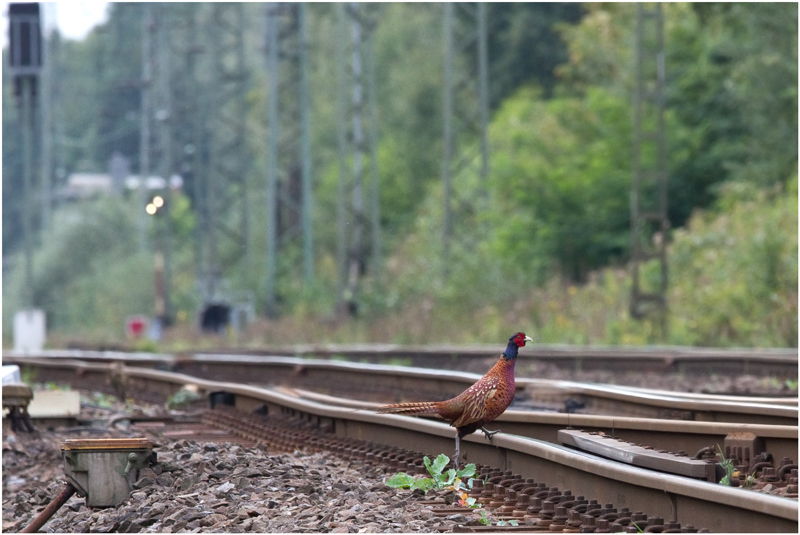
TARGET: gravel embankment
(215,488)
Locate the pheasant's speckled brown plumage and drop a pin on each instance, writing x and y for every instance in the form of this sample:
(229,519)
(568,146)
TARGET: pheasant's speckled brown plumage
(477,405)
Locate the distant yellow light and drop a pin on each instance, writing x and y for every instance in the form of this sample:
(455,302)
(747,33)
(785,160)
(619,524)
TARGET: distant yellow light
(151,209)
(158,201)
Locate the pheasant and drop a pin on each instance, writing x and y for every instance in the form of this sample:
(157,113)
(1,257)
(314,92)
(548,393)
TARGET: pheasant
(477,405)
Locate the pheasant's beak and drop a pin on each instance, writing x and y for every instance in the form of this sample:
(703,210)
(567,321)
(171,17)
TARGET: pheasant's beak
(528,339)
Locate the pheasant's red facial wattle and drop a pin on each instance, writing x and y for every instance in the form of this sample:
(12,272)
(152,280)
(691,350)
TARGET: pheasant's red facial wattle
(520,339)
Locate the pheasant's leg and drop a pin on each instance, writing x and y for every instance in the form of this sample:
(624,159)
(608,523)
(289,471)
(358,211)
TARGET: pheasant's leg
(458,450)
(489,434)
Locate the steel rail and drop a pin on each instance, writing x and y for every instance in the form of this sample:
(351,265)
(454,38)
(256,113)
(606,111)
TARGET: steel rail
(400,383)
(667,359)
(687,501)
(595,398)
(656,353)
(671,435)
(788,401)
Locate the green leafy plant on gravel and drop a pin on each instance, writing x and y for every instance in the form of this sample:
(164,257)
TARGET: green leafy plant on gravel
(450,479)
(439,479)
(486,521)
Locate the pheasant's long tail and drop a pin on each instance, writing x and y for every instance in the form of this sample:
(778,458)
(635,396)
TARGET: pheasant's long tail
(425,407)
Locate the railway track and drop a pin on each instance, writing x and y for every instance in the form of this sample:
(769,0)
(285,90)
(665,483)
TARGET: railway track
(395,384)
(781,363)
(401,442)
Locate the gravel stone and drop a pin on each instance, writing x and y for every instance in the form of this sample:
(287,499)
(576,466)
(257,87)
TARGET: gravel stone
(211,488)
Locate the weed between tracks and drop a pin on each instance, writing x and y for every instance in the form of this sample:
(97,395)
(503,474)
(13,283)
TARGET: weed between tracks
(732,472)
(451,479)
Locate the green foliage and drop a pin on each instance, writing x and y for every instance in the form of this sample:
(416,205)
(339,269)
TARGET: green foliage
(183,397)
(731,472)
(485,519)
(80,265)
(734,270)
(400,361)
(560,179)
(439,479)
(732,85)
(402,480)
(12,166)
(727,465)
(28,374)
(99,399)
(144,345)
(94,239)
(559,201)
(524,45)
(750,481)
(762,41)
(52,386)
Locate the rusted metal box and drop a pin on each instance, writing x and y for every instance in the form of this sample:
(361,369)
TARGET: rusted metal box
(104,470)
(17,395)
(743,447)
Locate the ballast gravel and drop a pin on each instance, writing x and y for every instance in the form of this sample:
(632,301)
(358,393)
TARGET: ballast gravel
(217,488)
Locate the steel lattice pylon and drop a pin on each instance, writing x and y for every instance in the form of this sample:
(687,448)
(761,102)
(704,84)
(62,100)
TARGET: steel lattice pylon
(466,110)
(289,162)
(224,179)
(649,218)
(357,211)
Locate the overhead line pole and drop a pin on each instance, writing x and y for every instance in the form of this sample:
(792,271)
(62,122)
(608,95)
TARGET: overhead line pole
(356,252)
(305,149)
(272,156)
(465,110)
(167,121)
(194,153)
(375,199)
(649,215)
(447,223)
(483,97)
(241,135)
(212,182)
(341,134)
(144,131)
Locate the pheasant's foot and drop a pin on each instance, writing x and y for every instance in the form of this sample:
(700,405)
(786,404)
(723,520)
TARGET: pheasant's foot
(489,434)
